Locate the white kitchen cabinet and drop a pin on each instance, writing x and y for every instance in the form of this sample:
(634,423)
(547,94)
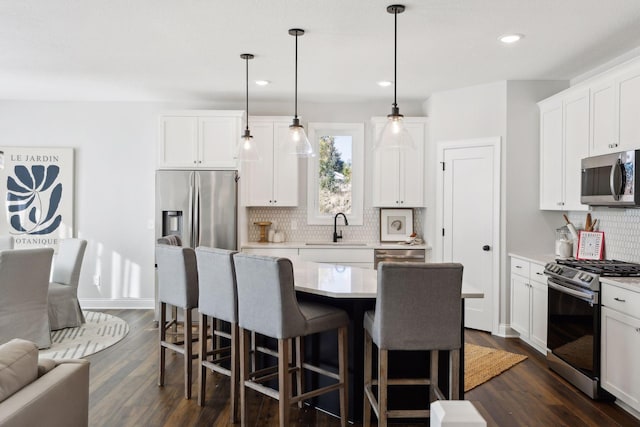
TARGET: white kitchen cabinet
(564,141)
(273,180)
(199,139)
(615,102)
(620,346)
(529,302)
(398,175)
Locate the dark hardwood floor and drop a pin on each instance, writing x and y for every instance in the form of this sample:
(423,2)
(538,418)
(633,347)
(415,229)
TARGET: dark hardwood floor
(124,390)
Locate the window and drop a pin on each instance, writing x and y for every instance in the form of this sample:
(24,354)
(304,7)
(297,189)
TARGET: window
(336,173)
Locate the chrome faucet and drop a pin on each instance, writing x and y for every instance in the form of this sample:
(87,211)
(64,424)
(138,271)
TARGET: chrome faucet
(337,236)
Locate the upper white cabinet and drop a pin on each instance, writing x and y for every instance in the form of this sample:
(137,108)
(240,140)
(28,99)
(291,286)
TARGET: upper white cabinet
(564,141)
(615,102)
(398,175)
(199,139)
(273,180)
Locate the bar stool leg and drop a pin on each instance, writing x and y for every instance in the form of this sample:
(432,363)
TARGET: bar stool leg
(299,372)
(383,364)
(343,364)
(202,352)
(188,352)
(244,374)
(235,377)
(368,355)
(162,337)
(454,369)
(433,376)
(284,386)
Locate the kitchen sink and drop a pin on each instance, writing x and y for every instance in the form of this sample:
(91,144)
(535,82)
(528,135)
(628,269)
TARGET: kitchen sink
(336,244)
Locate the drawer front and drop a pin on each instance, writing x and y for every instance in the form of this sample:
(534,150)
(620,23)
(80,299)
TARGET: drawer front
(622,300)
(536,273)
(337,256)
(519,266)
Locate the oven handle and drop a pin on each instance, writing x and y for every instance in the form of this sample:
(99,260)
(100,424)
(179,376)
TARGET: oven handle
(580,295)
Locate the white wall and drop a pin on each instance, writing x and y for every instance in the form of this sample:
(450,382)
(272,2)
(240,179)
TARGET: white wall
(507,110)
(115,157)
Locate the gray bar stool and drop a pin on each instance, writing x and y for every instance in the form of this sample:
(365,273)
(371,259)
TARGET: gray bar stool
(218,299)
(267,305)
(178,287)
(418,307)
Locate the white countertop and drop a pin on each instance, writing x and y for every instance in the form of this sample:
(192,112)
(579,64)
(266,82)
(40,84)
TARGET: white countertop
(331,245)
(537,258)
(340,281)
(630,283)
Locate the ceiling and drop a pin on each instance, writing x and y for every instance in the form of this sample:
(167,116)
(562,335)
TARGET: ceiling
(184,50)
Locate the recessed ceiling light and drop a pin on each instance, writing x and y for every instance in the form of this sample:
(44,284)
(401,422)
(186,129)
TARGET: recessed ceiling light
(510,38)
(262,82)
(385,83)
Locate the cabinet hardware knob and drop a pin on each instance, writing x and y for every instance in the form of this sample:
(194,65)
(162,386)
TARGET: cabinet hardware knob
(518,266)
(539,274)
(194,161)
(486,248)
(620,299)
(638,330)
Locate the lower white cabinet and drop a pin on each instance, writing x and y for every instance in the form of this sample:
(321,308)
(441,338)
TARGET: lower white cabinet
(529,302)
(620,346)
(343,256)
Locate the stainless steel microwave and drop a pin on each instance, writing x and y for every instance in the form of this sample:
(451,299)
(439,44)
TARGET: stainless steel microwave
(610,180)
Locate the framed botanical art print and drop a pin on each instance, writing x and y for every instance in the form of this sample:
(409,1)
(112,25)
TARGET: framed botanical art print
(36,187)
(395,224)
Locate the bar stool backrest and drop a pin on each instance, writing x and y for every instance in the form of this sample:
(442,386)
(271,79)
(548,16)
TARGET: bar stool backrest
(218,295)
(418,306)
(267,301)
(177,276)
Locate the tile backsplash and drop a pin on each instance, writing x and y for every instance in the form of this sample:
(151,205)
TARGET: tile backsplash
(293,223)
(621,231)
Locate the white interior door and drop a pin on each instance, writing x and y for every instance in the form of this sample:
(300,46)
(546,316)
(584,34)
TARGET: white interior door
(470,222)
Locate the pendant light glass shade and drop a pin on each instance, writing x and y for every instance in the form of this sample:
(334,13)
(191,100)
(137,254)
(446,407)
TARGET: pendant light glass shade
(246,150)
(298,142)
(395,134)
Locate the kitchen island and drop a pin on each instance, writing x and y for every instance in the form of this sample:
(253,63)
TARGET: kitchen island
(354,289)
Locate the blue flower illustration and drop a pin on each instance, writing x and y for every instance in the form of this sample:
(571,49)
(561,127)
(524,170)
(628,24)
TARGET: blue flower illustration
(28,198)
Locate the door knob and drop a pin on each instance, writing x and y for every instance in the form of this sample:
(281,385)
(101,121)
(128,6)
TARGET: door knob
(486,248)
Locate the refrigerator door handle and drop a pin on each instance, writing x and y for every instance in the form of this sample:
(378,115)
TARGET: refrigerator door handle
(196,212)
(191,199)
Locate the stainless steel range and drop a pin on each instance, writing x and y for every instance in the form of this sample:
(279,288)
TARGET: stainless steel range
(573,319)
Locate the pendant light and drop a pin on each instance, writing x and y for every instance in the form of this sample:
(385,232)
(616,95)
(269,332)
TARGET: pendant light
(394,134)
(298,141)
(247,150)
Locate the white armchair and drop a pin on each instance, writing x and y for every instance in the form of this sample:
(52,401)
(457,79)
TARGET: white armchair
(64,307)
(24,279)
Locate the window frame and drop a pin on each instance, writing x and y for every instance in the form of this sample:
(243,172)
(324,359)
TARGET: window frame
(356,132)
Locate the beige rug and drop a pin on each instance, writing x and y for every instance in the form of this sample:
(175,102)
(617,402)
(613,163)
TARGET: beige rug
(100,331)
(483,363)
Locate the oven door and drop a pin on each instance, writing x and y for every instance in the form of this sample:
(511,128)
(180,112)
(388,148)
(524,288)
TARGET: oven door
(573,328)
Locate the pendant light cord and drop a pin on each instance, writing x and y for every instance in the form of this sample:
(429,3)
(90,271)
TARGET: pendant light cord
(395,56)
(295,113)
(247,87)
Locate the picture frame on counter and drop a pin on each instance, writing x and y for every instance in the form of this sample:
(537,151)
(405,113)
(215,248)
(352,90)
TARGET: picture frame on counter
(590,245)
(396,225)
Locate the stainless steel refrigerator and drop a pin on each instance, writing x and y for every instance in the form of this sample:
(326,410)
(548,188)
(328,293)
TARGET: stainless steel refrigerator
(199,206)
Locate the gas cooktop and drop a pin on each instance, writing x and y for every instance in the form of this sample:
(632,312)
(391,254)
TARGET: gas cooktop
(607,267)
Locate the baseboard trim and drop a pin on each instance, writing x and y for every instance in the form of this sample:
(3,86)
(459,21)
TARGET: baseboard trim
(505,331)
(118,303)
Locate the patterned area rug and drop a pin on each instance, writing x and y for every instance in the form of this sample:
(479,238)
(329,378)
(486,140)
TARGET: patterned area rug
(99,332)
(483,363)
